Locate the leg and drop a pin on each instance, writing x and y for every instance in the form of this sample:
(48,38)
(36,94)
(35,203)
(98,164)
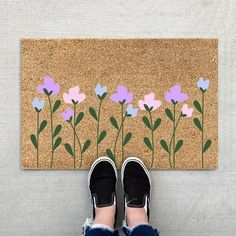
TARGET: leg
(137,185)
(102,185)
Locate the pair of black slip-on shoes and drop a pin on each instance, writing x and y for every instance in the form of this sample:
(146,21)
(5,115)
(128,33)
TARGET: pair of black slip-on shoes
(136,182)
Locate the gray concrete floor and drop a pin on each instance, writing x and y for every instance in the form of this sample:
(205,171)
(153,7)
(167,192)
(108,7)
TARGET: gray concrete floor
(184,203)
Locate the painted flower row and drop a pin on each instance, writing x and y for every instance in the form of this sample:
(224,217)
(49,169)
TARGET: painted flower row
(123,97)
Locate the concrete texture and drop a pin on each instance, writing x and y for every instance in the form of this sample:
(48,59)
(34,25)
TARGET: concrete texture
(184,203)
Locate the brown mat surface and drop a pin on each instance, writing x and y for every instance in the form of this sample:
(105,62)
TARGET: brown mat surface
(157,76)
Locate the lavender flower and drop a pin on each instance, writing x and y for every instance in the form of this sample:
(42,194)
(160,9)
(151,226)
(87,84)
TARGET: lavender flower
(49,87)
(175,95)
(122,96)
(67,115)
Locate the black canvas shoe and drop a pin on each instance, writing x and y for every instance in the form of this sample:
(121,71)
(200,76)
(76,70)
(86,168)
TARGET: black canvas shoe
(102,183)
(136,183)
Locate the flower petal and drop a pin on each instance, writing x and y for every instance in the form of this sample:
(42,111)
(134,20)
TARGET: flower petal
(168,96)
(156,104)
(67,98)
(81,97)
(141,104)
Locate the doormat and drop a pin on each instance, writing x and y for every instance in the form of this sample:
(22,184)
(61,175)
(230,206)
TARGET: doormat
(156,99)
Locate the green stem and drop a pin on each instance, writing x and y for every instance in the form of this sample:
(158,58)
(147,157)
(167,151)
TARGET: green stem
(117,136)
(202,128)
(80,146)
(74,134)
(38,139)
(152,138)
(52,151)
(122,133)
(98,125)
(172,137)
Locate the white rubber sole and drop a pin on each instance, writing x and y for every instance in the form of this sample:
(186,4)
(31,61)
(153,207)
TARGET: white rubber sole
(100,159)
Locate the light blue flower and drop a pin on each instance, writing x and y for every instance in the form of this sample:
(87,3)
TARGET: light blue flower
(100,90)
(131,111)
(38,104)
(203,84)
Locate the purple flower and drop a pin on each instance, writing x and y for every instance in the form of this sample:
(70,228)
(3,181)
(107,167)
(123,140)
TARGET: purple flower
(131,111)
(67,115)
(203,84)
(122,96)
(49,87)
(175,95)
(38,104)
(100,90)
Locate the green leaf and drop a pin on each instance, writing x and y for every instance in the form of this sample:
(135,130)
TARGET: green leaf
(46,92)
(34,140)
(148,143)
(147,108)
(197,123)
(127,138)
(86,145)
(114,122)
(157,123)
(79,118)
(57,143)
(103,96)
(56,105)
(164,145)
(57,131)
(169,114)
(198,106)
(110,154)
(147,122)
(206,145)
(102,135)
(42,126)
(178,145)
(93,113)
(69,149)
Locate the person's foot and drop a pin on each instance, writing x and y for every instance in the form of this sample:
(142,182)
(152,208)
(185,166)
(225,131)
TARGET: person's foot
(137,187)
(102,181)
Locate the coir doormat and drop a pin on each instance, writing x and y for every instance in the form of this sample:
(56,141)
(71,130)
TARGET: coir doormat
(151,98)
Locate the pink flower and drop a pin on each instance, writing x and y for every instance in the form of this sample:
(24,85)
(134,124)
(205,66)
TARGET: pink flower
(186,111)
(149,103)
(67,115)
(74,96)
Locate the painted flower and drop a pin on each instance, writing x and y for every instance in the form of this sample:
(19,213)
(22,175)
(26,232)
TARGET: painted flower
(122,95)
(203,84)
(49,87)
(100,90)
(150,102)
(186,111)
(74,96)
(67,115)
(131,111)
(175,95)
(38,104)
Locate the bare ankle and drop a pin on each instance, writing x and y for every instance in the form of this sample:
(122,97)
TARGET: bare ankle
(105,216)
(136,216)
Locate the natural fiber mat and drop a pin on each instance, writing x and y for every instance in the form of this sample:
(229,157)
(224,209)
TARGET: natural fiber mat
(151,98)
